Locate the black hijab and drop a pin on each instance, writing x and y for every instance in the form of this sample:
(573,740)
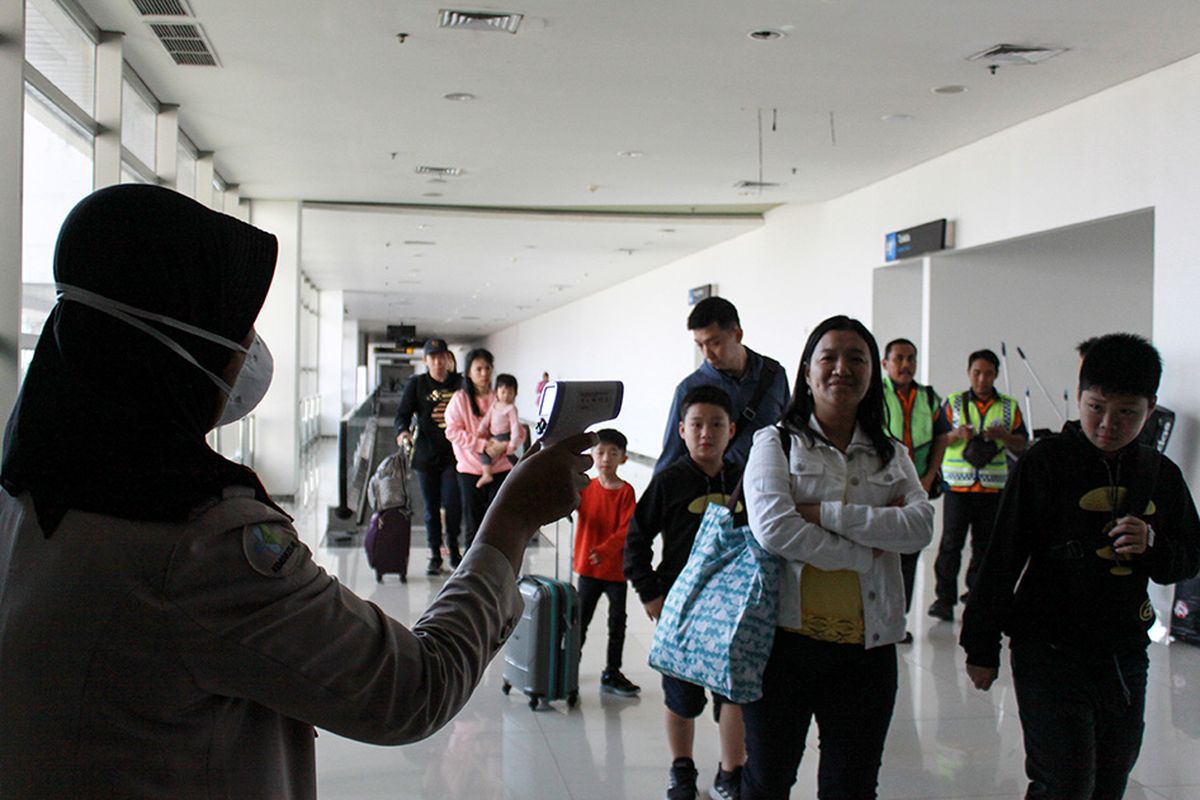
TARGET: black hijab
(109,419)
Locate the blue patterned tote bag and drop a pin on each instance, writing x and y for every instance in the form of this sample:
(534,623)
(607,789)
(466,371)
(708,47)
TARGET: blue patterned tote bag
(718,621)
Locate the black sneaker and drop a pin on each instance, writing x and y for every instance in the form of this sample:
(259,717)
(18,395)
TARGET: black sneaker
(943,611)
(434,568)
(683,780)
(727,785)
(455,559)
(613,682)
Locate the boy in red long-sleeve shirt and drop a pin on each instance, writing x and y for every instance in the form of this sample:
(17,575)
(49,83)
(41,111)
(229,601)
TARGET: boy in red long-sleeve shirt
(605,507)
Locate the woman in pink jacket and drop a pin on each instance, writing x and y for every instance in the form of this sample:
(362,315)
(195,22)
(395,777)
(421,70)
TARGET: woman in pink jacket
(466,410)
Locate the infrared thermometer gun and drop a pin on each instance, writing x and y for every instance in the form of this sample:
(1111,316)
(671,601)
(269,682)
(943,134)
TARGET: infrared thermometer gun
(570,407)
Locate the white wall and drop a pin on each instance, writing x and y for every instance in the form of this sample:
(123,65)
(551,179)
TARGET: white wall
(1043,294)
(277,450)
(331,373)
(1128,148)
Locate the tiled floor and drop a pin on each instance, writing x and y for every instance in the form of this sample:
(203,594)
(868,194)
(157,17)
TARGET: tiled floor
(947,740)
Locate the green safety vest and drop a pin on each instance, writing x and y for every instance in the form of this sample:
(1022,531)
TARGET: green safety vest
(924,405)
(955,469)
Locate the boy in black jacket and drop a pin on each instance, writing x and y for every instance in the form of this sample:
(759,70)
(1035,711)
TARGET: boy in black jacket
(673,505)
(1089,515)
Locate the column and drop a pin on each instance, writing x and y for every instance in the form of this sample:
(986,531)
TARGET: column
(204,178)
(166,151)
(277,451)
(107,150)
(12,122)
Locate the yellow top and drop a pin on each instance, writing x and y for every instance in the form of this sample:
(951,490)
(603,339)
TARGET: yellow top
(831,607)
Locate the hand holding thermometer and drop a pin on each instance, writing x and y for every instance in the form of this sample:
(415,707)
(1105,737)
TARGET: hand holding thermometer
(570,407)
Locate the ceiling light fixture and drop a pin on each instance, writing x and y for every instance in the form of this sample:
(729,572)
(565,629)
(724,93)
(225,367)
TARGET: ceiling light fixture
(459,97)
(952,88)
(432,194)
(897,118)
(766,35)
(631,154)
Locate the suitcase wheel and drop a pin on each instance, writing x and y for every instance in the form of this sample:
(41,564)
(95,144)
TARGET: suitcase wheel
(379,577)
(506,687)
(403,578)
(572,699)
(535,701)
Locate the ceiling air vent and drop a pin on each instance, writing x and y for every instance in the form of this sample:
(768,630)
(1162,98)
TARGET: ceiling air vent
(755,185)
(440,172)
(479,21)
(186,44)
(162,8)
(1012,54)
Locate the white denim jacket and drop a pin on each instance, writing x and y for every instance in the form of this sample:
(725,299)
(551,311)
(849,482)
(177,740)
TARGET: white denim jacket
(854,491)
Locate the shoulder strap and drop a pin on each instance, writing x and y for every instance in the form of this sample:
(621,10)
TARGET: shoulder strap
(931,397)
(766,378)
(785,443)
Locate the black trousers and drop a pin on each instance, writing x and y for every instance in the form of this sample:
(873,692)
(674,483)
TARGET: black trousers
(590,591)
(851,692)
(1082,717)
(475,502)
(439,489)
(963,510)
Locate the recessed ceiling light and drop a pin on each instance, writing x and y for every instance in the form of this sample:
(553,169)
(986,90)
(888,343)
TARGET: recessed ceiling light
(897,118)
(952,88)
(459,97)
(432,194)
(424,226)
(666,230)
(766,35)
(631,154)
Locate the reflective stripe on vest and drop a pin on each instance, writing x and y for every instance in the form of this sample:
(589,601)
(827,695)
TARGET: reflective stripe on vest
(955,469)
(921,423)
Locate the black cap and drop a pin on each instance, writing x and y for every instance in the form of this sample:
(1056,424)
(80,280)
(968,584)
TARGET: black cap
(435,346)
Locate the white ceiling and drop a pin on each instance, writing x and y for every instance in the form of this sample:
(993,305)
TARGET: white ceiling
(320,101)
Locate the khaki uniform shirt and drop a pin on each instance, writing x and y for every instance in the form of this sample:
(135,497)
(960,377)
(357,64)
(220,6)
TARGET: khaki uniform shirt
(193,659)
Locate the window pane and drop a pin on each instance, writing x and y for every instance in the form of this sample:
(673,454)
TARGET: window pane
(185,171)
(139,124)
(61,51)
(57,175)
(57,165)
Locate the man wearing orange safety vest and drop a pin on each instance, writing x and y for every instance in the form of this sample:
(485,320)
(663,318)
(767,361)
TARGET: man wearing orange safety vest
(911,408)
(980,426)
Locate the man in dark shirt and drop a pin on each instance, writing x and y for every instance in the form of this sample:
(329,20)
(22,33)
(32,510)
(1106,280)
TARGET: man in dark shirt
(756,384)
(425,397)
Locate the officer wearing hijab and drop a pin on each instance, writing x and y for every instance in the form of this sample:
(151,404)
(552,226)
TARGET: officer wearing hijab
(163,631)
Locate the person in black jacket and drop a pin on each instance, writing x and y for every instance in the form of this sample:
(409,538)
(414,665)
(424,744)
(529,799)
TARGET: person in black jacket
(425,396)
(1088,516)
(673,505)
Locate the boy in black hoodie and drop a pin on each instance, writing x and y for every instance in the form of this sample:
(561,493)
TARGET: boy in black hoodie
(1089,515)
(672,506)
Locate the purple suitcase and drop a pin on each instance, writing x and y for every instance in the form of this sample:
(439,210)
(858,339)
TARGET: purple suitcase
(388,541)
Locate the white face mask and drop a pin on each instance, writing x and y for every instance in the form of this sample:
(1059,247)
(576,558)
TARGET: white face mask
(252,380)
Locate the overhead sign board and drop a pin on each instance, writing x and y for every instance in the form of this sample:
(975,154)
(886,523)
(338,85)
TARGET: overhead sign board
(928,238)
(699,293)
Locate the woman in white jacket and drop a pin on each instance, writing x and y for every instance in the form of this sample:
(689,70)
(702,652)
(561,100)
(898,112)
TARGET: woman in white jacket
(840,509)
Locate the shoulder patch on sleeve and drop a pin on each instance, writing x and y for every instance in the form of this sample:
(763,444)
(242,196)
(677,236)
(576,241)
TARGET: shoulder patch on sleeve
(271,549)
